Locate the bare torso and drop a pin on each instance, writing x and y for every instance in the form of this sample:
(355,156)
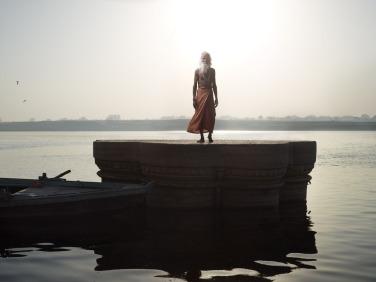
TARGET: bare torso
(205,80)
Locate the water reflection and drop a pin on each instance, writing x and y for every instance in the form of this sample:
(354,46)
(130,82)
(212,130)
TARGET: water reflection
(237,245)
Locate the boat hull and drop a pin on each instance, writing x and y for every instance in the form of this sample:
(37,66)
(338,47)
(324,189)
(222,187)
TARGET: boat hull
(68,199)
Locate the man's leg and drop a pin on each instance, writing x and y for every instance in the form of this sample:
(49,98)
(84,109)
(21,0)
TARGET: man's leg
(210,137)
(202,140)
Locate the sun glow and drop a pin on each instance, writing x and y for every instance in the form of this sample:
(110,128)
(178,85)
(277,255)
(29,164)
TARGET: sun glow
(225,28)
(137,58)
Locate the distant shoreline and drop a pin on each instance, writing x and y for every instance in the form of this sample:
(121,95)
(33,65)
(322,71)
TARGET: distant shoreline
(180,124)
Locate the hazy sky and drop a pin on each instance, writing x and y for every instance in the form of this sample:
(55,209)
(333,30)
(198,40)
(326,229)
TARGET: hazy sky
(136,58)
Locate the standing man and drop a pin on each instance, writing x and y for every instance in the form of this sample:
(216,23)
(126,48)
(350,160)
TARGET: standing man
(204,118)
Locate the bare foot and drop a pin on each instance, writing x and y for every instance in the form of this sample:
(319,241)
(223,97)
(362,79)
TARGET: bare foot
(210,139)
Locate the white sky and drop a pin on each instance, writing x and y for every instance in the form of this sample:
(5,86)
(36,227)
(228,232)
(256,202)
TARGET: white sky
(136,58)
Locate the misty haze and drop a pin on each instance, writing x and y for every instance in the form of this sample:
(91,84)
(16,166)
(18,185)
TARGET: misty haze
(187,140)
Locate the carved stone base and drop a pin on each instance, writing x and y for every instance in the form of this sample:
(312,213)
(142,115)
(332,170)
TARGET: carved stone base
(226,174)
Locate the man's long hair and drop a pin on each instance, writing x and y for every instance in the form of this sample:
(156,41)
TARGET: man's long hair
(204,66)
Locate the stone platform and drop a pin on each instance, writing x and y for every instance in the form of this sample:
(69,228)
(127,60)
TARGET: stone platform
(225,174)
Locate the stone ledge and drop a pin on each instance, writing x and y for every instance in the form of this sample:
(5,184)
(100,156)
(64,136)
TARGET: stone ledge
(227,173)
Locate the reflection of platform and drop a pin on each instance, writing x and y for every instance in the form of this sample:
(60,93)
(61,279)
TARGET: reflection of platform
(223,174)
(183,243)
(179,241)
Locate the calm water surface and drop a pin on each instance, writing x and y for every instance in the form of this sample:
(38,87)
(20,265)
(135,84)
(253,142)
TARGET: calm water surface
(336,241)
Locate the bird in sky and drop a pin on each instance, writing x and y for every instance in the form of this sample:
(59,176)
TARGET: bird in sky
(18,82)
(24,101)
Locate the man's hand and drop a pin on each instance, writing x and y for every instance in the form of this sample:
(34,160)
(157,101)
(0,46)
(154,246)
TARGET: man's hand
(194,103)
(216,102)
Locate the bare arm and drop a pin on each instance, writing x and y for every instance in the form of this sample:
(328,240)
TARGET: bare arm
(214,86)
(195,81)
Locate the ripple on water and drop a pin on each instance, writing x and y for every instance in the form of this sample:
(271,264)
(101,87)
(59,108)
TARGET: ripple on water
(340,198)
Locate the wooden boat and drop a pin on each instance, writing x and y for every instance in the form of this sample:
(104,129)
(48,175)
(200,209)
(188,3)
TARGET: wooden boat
(51,197)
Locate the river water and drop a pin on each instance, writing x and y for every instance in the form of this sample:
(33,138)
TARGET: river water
(334,241)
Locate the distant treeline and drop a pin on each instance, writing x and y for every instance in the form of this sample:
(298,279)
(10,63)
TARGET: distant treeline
(181,124)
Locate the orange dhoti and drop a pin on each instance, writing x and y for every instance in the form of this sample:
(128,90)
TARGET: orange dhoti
(204,118)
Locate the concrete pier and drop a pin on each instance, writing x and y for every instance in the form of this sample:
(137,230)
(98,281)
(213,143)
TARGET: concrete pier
(225,174)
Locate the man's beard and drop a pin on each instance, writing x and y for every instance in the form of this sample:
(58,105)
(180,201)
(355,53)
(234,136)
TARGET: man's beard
(204,68)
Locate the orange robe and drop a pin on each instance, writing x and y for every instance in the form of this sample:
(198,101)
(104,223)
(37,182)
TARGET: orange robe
(204,117)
